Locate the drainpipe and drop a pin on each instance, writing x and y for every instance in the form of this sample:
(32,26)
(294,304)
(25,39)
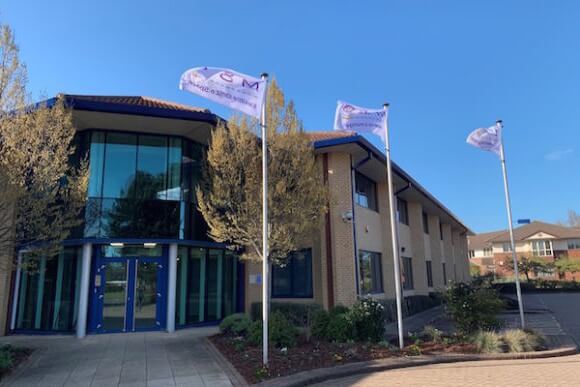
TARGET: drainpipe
(84,290)
(172,288)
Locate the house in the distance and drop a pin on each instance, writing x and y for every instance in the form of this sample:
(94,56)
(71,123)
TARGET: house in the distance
(491,251)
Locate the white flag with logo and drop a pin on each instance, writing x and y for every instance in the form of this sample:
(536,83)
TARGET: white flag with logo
(488,139)
(235,90)
(361,120)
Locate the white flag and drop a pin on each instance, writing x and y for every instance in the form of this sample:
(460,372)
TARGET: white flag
(358,119)
(227,87)
(488,139)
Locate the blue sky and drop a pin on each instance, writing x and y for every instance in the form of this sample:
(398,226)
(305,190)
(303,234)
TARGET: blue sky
(446,67)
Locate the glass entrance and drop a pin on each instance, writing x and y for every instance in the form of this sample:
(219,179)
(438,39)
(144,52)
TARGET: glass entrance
(130,294)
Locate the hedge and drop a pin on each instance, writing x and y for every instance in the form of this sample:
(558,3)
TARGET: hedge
(299,314)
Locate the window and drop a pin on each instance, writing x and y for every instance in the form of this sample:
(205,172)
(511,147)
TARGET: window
(440,230)
(487,251)
(371,274)
(542,248)
(402,211)
(294,279)
(366,192)
(507,247)
(444,268)
(574,244)
(425,223)
(408,273)
(429,274)
(471,253)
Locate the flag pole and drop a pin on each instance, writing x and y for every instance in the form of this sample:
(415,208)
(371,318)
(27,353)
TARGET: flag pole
(265,261)
(511,229)
(394,234)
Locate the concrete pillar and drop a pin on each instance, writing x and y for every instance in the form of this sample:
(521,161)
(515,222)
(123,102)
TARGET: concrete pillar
(172,287)
(84,290)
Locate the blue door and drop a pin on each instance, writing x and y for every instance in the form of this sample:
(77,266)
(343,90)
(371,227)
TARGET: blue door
(130,294)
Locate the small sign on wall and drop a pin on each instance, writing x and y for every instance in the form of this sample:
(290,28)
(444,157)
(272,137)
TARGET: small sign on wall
(255,279)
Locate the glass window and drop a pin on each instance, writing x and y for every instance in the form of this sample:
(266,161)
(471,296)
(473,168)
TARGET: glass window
(120,163)
(48,294)
(440,230)
(471,254)
(574,244)
(487,251)
(402,211)
(444,268)
(425,223)
(131,251)
(366,192)
(96,163)
(174,169)
(542,248)
(151,179)
(429,274)
(294,278)
(371,274)
(408,273)
(506,247)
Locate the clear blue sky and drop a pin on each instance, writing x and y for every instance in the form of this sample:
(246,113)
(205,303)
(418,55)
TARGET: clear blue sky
(446,67)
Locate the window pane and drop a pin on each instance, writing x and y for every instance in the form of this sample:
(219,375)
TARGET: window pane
(408,273)
(96,161)
(281,280)
(121,150)
(371,276)
(365,192)
(294,279)
(429,274)
(152,168)
(174,174)
(425,223)
(402,211)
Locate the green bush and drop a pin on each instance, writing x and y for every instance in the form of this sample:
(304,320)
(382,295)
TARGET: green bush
(339,328)
(413,350)
(299,314)
(368,320)
(487,342)
(518,340)
(235,324)
(432,334)
(339,309)
(6,359)
(472,307)
(281,333)
(411,305)
(319,324)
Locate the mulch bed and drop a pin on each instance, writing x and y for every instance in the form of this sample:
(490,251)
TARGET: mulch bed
(18,356)
(308,355)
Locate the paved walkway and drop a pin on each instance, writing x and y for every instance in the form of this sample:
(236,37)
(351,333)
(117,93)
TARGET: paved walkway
(553,372)
(133,359)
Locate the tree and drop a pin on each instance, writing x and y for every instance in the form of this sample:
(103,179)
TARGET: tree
(531,265)
(566,265)
(41,192)
(230,194)
(573,219)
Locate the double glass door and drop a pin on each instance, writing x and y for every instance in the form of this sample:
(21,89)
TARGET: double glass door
(130,294)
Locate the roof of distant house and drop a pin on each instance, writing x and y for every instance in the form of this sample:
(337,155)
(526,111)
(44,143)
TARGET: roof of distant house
(480,241)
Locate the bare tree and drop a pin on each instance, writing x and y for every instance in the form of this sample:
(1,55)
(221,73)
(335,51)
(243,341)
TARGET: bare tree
(41,192)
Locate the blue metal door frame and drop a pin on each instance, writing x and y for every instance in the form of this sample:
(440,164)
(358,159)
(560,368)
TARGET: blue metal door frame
(98,287)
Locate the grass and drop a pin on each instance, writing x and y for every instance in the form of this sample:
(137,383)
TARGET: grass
(512,340)
(488,342)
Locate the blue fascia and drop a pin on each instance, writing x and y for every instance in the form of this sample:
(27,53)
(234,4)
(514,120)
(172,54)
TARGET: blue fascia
(137,241)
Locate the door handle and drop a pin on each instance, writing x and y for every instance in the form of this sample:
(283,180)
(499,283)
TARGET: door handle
(101,297)
(158,294)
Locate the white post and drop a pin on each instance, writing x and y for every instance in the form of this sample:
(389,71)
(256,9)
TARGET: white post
(511,228)
(394,236)
(265,266)
(84,290)
(16,292)
(172,287)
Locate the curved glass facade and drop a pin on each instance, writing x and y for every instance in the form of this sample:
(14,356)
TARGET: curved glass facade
(142,186)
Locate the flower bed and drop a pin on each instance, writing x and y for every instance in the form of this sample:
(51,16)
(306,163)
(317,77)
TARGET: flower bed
(11,357)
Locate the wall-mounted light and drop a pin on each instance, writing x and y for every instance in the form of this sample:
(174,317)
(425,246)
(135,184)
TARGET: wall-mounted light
(347,216)
(117,244)
(149,245)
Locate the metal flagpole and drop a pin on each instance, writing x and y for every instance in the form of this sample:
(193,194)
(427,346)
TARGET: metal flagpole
(265,263)
(394,235)
(509,214)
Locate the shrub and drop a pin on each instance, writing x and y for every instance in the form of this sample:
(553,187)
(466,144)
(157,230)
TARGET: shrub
(299,314)
(339,309)
(339,328)
(281,333)
(472,307)
(6,359)
(235,324)
(411,305)
(518,340)
(413,350)
(487,342)
(319,324)
(368,321)
(432,334)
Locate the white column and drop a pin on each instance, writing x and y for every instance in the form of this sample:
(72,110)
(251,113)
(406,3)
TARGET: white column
(171,287)
(84,290)
(16,292)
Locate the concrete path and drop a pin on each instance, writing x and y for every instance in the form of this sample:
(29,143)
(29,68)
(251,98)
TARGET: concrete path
(132,359)
(560,371)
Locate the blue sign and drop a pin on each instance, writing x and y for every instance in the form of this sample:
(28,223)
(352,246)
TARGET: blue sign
(524,221)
